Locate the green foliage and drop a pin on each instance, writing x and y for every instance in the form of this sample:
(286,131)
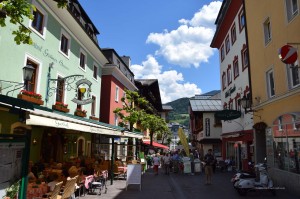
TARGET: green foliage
(13,190)
(180,111)
(17,11)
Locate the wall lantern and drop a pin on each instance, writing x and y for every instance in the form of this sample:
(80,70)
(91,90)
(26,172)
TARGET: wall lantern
(27,74)
(246,103)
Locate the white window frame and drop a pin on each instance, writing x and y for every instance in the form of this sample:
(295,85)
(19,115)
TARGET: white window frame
(63,32)
(39,70)
(291,11)
(290,70)
(97,66)
(280,125)
(117,94)
(64,93)
(116,119)
(267,31)
(124,96)
(85,60)
(269,89)
(45,21)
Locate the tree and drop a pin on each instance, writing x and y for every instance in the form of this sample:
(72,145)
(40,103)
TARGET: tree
(17,10)
(134,107)
(155,125)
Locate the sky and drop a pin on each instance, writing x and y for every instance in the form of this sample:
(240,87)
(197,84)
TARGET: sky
(168,40)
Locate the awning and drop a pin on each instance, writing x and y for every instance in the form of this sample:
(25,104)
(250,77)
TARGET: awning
(155,144)
(15,102)
(46,118)
(210,141)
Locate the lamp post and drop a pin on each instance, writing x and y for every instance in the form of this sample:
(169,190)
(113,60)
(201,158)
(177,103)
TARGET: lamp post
(27,74)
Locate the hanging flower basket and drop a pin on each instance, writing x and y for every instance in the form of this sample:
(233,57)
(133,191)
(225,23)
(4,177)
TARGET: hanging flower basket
(59,106)
(31,97)
(80,113)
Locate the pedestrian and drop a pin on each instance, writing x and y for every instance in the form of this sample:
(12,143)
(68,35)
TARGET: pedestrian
(156,163)
(167,160)
(209,161)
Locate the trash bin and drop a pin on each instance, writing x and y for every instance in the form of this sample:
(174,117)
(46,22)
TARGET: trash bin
(197,166)
(186,164)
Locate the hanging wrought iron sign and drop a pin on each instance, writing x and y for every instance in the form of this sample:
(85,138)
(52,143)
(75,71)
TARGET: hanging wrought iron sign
(228,114)
(83,95)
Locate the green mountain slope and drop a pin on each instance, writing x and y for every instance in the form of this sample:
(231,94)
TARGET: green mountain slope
(180,111)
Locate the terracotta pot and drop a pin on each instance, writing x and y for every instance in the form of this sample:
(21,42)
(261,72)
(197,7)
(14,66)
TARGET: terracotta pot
(31,99)
(94,118)
(80,114)
(60,108)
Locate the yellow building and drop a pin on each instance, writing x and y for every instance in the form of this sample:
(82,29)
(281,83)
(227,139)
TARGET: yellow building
(272,24)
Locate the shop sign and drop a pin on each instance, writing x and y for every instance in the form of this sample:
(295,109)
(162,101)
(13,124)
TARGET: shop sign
(84,89)
(288,54)
(207,126)
(228,114)
(61,124)
(230,91)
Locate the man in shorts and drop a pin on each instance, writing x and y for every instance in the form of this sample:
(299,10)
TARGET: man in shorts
(209,161)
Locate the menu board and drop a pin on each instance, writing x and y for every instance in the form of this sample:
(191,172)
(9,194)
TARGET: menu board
(134,175)
(10,164)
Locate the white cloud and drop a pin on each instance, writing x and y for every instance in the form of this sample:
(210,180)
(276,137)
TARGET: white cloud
(189,44)
(171,83)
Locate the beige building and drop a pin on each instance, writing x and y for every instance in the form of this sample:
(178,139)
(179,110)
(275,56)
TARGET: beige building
(272,24)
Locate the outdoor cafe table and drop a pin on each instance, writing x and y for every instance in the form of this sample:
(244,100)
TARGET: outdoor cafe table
(36,190)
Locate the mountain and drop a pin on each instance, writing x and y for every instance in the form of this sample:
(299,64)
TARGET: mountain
(180,111)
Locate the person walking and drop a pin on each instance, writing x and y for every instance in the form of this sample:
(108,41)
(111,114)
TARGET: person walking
(167,160)
(156,163)
(209,161)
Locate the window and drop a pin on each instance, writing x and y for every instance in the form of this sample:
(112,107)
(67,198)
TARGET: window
(116,119)
(32,84)
(293,75)
(119,64)
(82,60)
(225,106)
(93,106)
(95,72)
(267,31)
(65,43)
(230,104)
(233,34)
(79,97)
(242,20)
(117,94)
(291,9)
(280,124)
(39,22)
(238,102)
(227,43)
(222,53)
(245,60)
(223,80)
(235,67)
(270,83)
(229,78)
(60,89)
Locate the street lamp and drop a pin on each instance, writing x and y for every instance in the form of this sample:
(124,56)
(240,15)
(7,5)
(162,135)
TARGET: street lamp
(246,104)
(27,74)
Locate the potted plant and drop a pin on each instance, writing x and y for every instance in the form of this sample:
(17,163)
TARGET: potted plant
(31,97)
(94,118)
(59,106)
(80,113)
(12,191)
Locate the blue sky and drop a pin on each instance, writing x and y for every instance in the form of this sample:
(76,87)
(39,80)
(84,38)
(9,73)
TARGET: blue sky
(166,40)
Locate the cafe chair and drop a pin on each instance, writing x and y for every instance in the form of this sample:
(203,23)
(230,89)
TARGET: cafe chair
(92,183)
(54,194)
(69,188)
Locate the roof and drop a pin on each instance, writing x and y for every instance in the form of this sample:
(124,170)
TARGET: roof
(167,107)
(205,105)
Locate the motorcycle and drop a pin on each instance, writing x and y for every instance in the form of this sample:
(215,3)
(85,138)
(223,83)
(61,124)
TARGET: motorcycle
(244,174)
(261,182)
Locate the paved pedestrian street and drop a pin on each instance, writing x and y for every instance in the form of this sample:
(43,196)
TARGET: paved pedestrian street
(183,186)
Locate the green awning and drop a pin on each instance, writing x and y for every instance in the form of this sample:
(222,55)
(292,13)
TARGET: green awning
(15,102)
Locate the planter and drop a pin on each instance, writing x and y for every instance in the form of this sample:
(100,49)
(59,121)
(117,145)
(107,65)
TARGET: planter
(80,114)
(94,118)
(60,108)
(31,99)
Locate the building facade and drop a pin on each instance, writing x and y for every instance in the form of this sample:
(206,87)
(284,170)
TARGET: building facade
(276,86)
(230,40)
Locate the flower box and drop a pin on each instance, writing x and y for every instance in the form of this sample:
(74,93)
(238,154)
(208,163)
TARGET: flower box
(94,118)
(80,113)
(60,108)
(31,99)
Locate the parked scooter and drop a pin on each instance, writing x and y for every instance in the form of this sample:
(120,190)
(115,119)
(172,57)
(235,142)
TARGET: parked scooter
(261,182)
(244,174)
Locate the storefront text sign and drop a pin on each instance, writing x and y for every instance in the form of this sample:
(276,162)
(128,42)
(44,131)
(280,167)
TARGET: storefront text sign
(61,124)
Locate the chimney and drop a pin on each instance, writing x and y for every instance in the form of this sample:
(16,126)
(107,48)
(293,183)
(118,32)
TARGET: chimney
(127,60)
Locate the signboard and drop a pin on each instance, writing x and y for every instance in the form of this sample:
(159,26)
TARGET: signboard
(228,114)
(84,88)
(207,126)
(288,54)
(134,175)
(183,140)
